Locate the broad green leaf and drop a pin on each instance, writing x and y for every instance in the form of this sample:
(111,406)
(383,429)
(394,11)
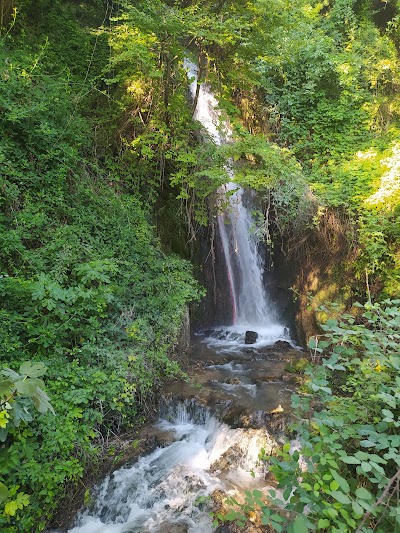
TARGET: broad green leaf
(366,467)
(5,387)
(3,492)
(367,444)
(25,387)
(341,481)
(11,508)
(10,373)
(33,370)
(358,511)
(350,460)
(334,485)
(21,413)
(363,494)
(299,525)
(340,497)
(41,402)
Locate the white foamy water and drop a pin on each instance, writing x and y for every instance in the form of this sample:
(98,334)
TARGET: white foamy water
(164,487)
(235,389)
(231,339)
(232,367)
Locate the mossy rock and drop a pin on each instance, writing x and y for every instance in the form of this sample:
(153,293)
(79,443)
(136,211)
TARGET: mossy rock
(297,366)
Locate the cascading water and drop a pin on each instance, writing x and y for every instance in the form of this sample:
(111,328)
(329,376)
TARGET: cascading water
(251,308)
(174,488)
(161,492)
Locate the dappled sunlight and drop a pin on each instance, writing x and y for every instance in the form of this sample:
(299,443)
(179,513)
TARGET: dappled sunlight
(368,154)
(388,194)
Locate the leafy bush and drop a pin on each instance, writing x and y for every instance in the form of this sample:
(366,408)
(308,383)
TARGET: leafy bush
(85,286)
(342,472)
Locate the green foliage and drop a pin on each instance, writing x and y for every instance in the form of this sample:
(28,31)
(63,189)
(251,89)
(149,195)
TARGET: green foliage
(329,78)
(85,286)
(346,467)
(342,471)
(19,394)
(297,365)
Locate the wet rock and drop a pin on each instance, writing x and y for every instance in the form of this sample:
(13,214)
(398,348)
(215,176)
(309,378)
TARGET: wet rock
(297,365)
(274,422)
(282,346)
(288,378)
(173,528)
(250,337)
(268,352)
(277,410)
(268,379)
(232,381)
(247,528)
(244,454)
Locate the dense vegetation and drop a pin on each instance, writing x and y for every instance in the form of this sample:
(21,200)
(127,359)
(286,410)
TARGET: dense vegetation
(342,471)
(97,142)
(86,288)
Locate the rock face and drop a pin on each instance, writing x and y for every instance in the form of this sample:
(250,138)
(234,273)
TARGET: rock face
(181,346)
(282,345)
(250,337)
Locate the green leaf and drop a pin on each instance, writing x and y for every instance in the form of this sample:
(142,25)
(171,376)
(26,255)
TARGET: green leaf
(350,460)
(341,481)
(367,444)
(10,373)
(363,494)
(3,492)
(5,387)
(366,467)
(358,511)
(41,402)
(334,485)
(299,525)
(340,497)
(323,523)
(25,387)
(33,370)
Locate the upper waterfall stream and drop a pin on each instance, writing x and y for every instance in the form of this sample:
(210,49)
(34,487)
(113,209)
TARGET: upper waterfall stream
(251,308)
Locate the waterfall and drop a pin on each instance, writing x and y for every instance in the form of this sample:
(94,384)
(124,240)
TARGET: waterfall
(199,457)
(163,490)
(244,264)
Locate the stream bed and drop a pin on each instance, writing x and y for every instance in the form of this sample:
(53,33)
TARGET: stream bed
(209,435)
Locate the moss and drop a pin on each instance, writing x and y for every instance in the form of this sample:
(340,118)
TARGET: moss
(297,366)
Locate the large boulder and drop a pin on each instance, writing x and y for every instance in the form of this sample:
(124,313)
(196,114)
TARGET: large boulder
(250,337)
